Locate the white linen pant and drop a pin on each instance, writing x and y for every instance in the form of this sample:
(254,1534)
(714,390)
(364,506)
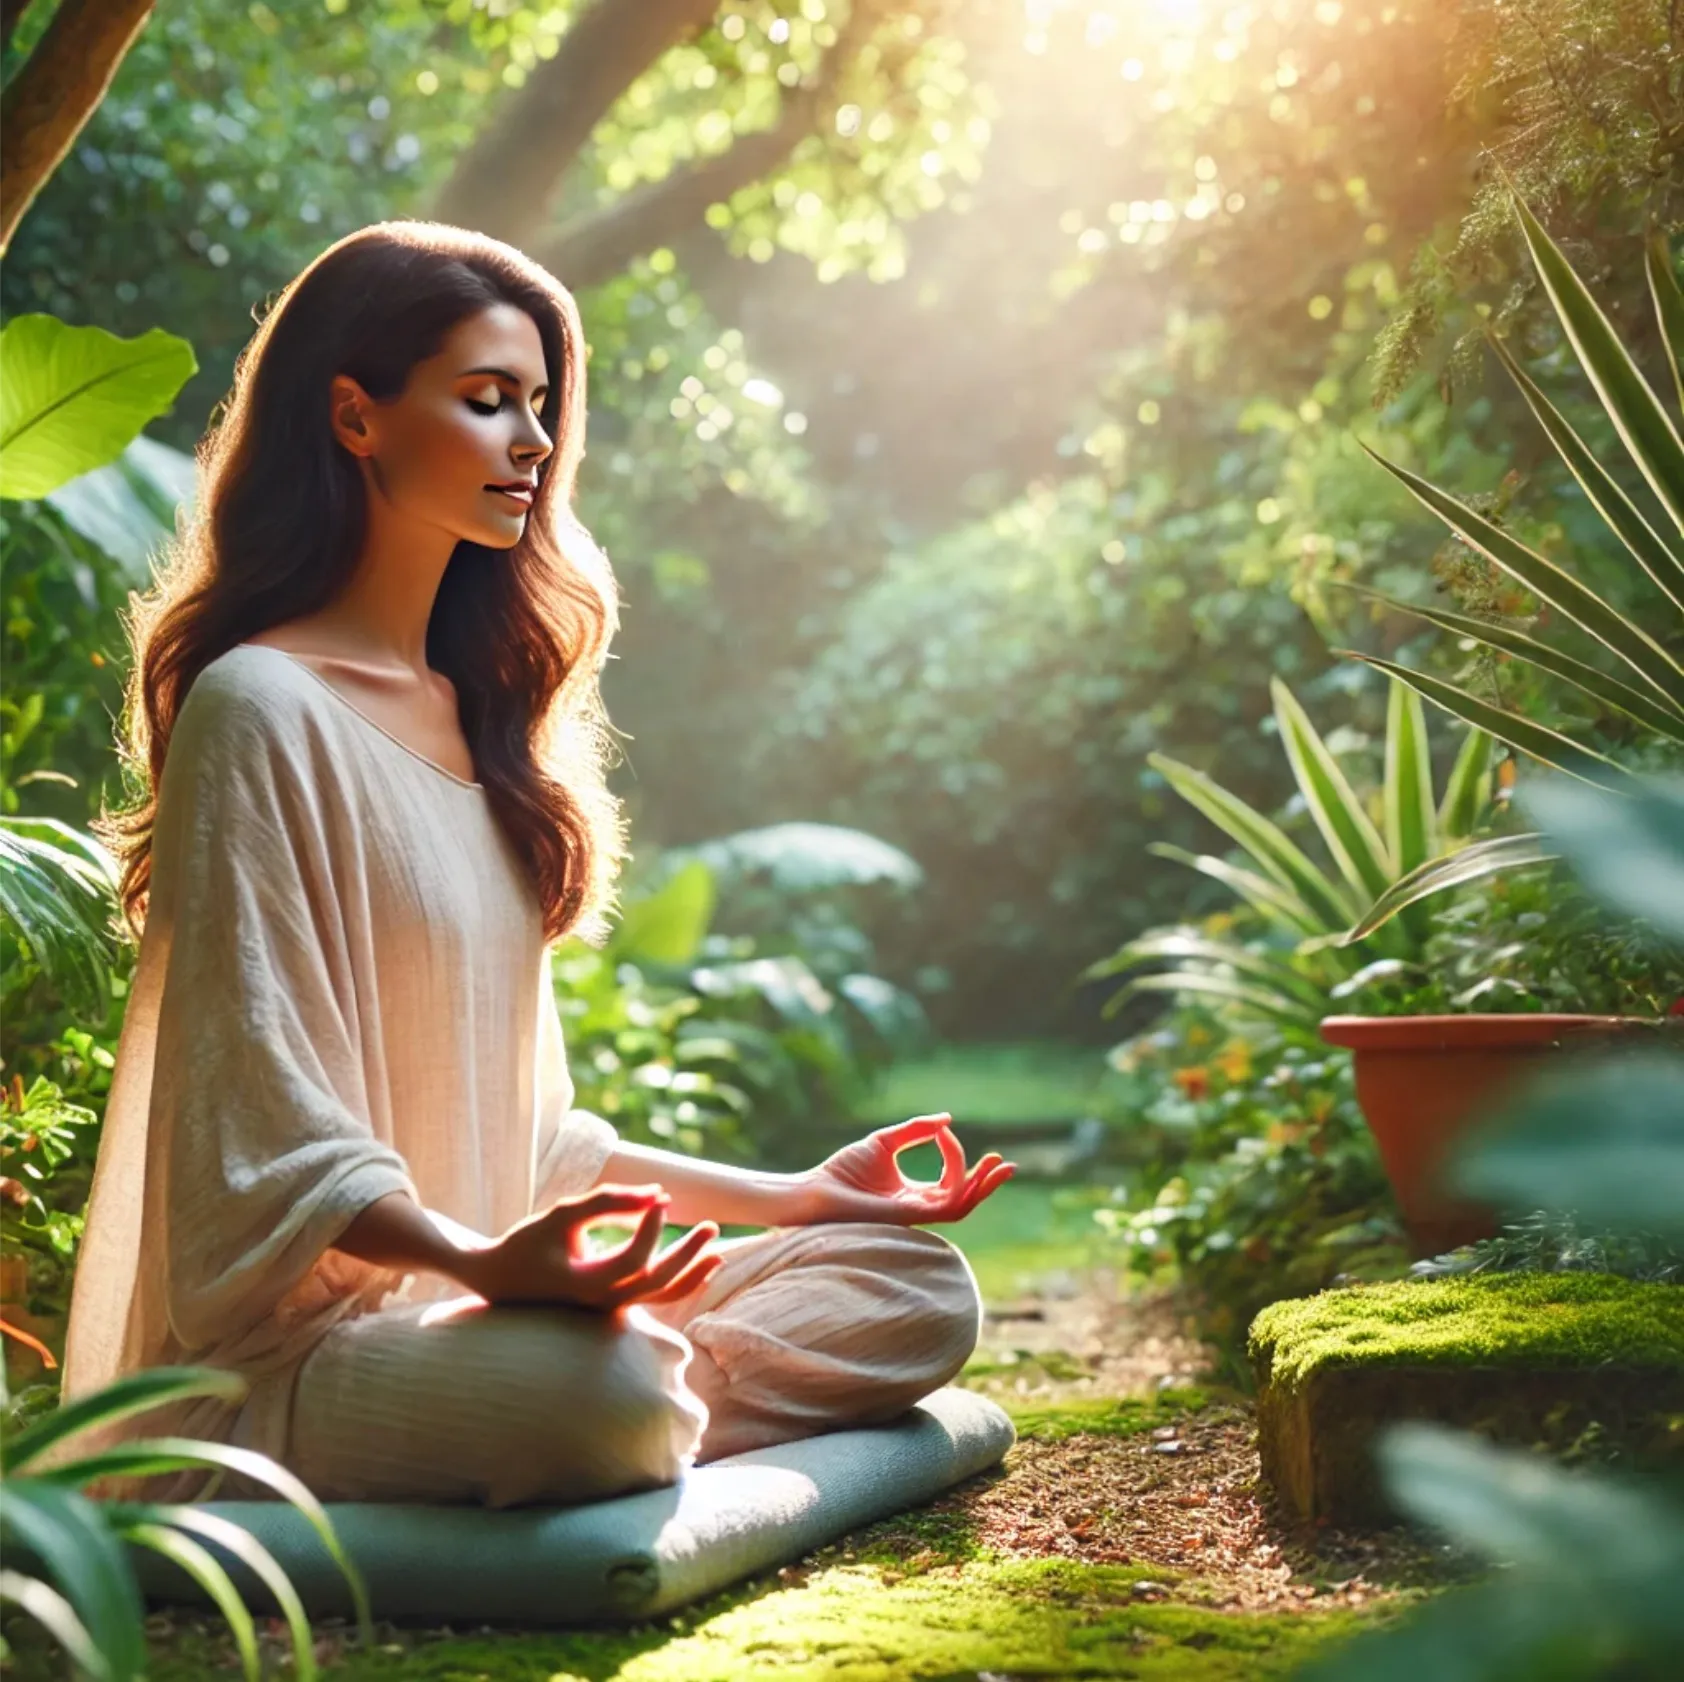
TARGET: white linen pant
(800,1330)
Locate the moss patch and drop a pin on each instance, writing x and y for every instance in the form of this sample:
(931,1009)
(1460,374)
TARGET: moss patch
(1567,1363)
(1103,1416)
(862,1623)
(1538,1320)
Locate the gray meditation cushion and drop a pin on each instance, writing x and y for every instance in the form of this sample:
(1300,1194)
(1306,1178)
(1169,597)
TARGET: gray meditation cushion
(624,1560)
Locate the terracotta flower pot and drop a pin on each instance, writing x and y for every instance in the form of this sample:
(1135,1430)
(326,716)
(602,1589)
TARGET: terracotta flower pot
(1423,1081)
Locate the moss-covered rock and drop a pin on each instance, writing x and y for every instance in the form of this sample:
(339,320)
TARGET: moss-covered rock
(1552,1359)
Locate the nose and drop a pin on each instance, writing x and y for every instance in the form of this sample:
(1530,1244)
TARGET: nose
(534,445)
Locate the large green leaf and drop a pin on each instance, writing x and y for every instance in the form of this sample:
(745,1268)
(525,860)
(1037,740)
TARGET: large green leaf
(1265,841)
(1437,876)
(807,857)
(1659,715)
(1605,1141)
(667,926)
(1467,791)
(135,1393)
(1623,516)
(1279,1007)
(1591,1585)
(1354,842)
(58,888)
(1411,821)
(71,397)
(1629,851)
(1669,305)
(1610,627)
(1643,425)
(128,507)
(785,982)
(1280,905)
(1544,744)
(68,1534)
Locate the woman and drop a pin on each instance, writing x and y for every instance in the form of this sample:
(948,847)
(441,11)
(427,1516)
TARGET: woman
(340,1153)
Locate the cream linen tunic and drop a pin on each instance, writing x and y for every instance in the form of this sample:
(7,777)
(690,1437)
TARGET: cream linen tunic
(343,991)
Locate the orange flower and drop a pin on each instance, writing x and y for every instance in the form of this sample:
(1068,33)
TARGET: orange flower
(1235,1062)
(1194,1082)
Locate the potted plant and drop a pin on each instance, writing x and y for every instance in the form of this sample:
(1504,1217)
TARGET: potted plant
(1296,974)
(1423,1079)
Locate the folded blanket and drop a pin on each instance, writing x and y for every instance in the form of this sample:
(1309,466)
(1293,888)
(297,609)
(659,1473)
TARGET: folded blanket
(624,1560)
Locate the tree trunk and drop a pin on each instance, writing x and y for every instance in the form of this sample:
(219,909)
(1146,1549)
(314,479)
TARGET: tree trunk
(50,99)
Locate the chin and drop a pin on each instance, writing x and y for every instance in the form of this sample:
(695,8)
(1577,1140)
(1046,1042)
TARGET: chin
(502,538)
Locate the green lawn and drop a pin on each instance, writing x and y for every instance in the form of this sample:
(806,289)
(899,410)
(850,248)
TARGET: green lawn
(1027,1230)
(990,1083)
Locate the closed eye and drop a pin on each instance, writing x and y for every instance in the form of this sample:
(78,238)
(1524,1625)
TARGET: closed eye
(480,408)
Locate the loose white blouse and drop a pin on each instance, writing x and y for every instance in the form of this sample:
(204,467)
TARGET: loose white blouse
(343,990)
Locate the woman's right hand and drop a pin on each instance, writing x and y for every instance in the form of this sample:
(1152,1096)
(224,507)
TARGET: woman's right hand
(544,1258)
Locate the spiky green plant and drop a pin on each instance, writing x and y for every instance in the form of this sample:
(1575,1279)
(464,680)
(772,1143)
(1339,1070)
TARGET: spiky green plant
(1307,907)
(1644,680)
(92,1605)
(1650,684)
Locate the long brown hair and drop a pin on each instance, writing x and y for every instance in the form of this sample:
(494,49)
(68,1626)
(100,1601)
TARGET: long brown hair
(278,524)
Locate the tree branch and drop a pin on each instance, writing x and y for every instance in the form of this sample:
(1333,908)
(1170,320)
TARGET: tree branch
(506,179)
(57,90)
(595,246)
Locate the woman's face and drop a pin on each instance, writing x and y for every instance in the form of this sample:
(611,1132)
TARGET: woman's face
(466,420)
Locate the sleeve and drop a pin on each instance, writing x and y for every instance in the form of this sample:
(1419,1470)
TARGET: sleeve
(259,1122)
(570,1147)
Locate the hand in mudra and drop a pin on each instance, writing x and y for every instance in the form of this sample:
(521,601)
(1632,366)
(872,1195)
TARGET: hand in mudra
(863,1181)
(545,1259)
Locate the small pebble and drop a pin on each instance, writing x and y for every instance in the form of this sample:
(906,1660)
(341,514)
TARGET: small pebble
(1167,1448)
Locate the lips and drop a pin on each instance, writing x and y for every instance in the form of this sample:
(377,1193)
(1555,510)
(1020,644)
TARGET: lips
(515,492)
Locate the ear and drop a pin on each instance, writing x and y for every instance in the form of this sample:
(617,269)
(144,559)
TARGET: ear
(351,412)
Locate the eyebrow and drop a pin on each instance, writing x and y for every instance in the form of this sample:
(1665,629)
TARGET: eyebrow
(513,379)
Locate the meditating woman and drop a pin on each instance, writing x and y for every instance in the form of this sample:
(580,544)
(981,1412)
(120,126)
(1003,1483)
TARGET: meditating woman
(341,1155)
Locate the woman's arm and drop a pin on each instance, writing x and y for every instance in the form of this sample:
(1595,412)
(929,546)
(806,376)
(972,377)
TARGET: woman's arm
(860,1182)
(715,1191)
(395,1231)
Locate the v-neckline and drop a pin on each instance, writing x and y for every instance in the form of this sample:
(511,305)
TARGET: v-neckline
(346,701)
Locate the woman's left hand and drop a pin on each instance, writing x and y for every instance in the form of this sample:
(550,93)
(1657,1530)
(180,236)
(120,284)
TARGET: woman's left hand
(863,1181)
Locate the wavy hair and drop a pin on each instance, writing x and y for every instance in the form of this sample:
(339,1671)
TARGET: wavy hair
(278,524)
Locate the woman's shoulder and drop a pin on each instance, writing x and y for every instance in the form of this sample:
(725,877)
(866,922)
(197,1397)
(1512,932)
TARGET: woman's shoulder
(251,698)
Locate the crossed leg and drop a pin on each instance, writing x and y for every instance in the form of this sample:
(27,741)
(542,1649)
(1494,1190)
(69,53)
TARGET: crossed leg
(801,1330)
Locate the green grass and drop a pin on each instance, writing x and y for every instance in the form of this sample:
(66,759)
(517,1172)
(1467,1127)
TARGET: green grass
(1038,1081)
(863,1622)
(1528,1319)
(1025,1231)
